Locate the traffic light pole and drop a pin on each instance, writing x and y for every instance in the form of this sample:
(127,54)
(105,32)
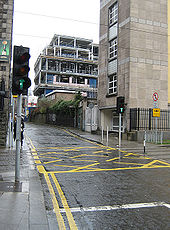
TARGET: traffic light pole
(120,117)
(18,139)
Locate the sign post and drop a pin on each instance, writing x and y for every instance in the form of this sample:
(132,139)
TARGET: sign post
(156,112)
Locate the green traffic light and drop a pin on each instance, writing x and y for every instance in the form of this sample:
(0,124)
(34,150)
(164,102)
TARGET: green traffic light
(121,110)
(21,83)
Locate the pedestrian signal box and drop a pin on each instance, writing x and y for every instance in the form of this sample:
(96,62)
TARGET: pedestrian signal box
(120,104)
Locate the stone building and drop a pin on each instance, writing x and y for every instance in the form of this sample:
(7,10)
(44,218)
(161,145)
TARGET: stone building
(6,22)
(133,57)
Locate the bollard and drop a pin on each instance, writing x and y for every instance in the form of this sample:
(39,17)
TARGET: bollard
(107,137)
(102,134)
(144,142)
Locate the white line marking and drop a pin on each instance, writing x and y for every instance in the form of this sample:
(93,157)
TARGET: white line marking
(117,207)
(166,205)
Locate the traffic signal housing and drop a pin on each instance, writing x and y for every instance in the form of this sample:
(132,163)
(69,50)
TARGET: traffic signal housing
(120,104)
(20,81)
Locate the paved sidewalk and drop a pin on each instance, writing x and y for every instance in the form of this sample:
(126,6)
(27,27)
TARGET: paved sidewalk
(21,205)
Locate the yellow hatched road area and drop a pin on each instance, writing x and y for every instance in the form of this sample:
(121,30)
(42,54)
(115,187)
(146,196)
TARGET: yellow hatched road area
(83,159)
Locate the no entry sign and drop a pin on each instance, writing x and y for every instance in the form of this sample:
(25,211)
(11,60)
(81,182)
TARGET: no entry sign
(155,96)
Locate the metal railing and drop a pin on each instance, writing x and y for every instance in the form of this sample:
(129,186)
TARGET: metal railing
(142,119)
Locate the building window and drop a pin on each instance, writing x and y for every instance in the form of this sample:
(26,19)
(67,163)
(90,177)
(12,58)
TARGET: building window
(57,78)
(113,48)
(80,80)
(64,79)
(112,84)
(113,14)
(74,80)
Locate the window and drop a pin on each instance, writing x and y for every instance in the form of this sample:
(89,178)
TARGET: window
(57,78)
(52,65)
(50,79)
(74,80)
(64,79)
(43,64)
(113,14)
(80,80)
(112,84)
(113,48)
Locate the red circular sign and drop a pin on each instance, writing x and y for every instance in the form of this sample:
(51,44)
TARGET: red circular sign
(155,96)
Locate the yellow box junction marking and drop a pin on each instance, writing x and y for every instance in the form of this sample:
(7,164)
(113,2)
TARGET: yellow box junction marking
(86,168)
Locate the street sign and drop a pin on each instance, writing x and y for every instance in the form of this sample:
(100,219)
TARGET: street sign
(156,112)
(155,96)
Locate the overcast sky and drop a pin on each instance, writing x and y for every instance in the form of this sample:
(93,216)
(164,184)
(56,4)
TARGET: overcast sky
(36,21)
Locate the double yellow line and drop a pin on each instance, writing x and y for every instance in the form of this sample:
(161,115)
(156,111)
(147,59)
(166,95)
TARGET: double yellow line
(59,217)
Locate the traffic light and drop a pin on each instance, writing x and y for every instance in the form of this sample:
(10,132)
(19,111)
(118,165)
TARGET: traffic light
(20,81)
(120,104)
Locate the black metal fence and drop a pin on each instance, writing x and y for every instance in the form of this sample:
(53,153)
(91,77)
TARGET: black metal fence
(142,119)
(60,119)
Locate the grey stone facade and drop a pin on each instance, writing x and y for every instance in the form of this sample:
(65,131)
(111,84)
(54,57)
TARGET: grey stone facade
(6,22)
(142,56)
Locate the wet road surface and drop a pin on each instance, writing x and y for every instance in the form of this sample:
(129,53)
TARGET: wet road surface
(87,186)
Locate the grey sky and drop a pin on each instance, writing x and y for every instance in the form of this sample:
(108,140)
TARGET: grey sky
(36,21)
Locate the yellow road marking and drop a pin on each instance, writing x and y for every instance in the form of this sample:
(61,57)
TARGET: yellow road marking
(129,154)
(137,158)
(124,163)
(55,203)
(80,138)
(113,169)
(87,155)
(116,158)
(38,162)
(86,160)
(100,151)
(49,162)
(36,157)
(110,148)
(70,166)
(65,204)
(84,167)
(67,166)
(48,157)
(41,169)
(41,154)
(79,156)
(155,161)
(59,217)
(76,150)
